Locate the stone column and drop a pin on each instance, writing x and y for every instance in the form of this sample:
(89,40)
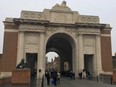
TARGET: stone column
(94,64)
(98,55)
(75,60)
(41,56)
(80,53)
(20,48)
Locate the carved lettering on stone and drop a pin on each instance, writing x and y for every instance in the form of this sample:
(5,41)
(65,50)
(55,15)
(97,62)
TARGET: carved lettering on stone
(31,38)
(69,30)
(24,26)
(89,44)
(89,41)
(88,31)
(31,48)
(89,50)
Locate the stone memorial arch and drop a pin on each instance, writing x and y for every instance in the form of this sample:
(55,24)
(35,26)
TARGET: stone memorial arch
(80,40)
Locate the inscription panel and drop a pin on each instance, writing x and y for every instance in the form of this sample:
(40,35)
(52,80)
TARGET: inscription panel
(31,38)
(89,41)
(61,17)
(31,48)
(34,28)
(25,26)
(89,44)
(91,31)
(52,30)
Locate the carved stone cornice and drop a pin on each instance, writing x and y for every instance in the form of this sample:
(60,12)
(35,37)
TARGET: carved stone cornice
(45,22)
(29,21)
(91,25)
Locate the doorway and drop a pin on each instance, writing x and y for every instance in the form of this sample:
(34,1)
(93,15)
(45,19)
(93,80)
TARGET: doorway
(31,59)
(88,63)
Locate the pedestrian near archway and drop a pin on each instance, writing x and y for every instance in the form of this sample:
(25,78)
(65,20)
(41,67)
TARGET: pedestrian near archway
(47,75)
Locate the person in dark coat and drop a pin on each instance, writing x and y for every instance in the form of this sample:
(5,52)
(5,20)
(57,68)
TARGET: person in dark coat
(47,75)
(80,75)
(58,77)
(54,76)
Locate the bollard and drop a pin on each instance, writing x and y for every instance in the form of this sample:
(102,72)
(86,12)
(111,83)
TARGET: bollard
(111,80)
(97,78)
(42,82)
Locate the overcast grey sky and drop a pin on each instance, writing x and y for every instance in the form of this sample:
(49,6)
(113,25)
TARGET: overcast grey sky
(105,9)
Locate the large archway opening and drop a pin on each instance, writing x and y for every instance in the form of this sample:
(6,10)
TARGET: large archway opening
(61,44)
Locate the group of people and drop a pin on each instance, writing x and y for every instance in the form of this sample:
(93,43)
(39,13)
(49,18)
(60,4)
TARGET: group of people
(84,74)
(68,73)
(53,77)
(72,75)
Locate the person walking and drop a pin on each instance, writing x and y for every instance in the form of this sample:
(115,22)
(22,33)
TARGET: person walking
(84,74)
(71,74)
(47,75)
(80,75)
(58,78)
(54,76)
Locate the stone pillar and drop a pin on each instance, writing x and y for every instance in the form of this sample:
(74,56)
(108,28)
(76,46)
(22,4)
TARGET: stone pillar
(98,55)
(75,60)
(41,57)
(80,53)
(94,65)
(20,48)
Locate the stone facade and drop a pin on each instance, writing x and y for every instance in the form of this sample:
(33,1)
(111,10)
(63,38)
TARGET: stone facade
(33,32)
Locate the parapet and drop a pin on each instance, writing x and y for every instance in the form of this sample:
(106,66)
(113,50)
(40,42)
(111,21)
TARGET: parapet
(60,14)
(88,19)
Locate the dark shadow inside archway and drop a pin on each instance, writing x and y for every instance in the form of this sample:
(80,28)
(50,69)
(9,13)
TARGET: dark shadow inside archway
(60,43)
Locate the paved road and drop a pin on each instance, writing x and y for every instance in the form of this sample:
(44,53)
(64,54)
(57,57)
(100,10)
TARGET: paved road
(65,82)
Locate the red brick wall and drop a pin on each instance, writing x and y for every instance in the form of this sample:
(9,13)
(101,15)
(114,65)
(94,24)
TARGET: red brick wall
(114,76)
(5,80)
(106,52)
(21,76)
(9,51)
